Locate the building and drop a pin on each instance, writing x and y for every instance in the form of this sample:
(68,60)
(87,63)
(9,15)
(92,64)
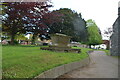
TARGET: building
(107,43)
(115,38)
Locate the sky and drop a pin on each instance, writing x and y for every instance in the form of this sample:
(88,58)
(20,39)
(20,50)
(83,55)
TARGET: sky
(103,12)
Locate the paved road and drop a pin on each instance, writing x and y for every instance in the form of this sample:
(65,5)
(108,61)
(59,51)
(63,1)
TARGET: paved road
(101,66)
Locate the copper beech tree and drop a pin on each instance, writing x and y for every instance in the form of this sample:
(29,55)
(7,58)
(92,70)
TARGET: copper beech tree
(41,24)
(52,18)
(22,17)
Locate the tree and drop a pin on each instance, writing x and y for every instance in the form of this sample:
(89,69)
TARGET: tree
(80,28)
(94,37)
(108,32)
(66,27)
(34,22)
(20,37)
(52,18)
(49,19)
(17,15)
(72,25)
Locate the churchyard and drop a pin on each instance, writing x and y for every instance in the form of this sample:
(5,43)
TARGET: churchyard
(29,61)
(36,40)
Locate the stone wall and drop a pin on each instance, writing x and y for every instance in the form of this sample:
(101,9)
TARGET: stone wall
(60,70)
(115,38)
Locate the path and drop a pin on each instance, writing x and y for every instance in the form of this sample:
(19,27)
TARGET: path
(101,66)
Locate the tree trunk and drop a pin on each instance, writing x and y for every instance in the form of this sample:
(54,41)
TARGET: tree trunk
(90,46)
(27,42)
(108,47)
(12,39)
(13,33)
(33,39)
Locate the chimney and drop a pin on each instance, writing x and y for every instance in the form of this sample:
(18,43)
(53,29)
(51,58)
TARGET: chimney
(119,8)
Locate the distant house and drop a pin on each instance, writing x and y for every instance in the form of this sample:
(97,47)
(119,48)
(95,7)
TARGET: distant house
(115,38)
(107,43)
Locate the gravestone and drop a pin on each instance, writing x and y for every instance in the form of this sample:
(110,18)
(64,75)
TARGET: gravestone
(60,43)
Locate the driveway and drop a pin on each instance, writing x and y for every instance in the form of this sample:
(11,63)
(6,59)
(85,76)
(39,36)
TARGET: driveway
(101,66)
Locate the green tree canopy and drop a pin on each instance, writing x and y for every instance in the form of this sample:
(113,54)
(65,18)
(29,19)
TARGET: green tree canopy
(21,37)
(72,25)
(94,36)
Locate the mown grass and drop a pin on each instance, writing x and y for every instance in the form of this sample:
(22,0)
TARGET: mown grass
(29,61)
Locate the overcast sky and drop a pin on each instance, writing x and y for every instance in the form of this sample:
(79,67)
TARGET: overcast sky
(103,12)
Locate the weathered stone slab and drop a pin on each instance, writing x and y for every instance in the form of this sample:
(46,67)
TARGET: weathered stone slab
(60,43)
(60,70)
(61,49)
(60,40)
(67,68)
(50,73)
(75,65)
(83,63)
(56,72)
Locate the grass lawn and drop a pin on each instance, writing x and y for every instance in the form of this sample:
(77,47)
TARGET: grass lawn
(30,61)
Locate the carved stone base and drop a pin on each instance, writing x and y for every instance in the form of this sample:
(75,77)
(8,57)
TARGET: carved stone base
(61,49)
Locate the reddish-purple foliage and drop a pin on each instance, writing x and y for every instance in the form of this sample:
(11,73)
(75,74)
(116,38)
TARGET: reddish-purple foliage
(51,18)
(19,15)
(17,12)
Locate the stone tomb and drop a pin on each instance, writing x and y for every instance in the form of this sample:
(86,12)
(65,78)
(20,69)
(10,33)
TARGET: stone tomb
(60,43)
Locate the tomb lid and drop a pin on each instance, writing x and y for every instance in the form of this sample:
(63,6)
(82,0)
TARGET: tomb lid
(58,34)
